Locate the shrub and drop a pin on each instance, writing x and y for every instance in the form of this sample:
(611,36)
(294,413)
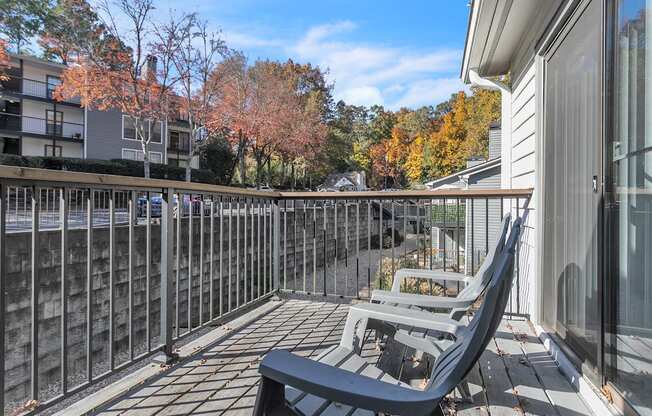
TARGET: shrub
(107,167)
(385,279)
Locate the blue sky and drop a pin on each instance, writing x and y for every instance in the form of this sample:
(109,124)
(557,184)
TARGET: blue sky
(398,54)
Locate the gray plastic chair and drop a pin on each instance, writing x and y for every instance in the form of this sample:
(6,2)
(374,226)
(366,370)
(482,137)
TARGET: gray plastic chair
(342,382)
(458,305)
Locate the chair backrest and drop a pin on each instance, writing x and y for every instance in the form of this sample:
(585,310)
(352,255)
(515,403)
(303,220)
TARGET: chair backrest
(479,283)
(456,361)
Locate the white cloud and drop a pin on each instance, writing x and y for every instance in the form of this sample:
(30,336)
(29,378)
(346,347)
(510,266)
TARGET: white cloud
(376,74)
(239,40)
(364,95)
(432,91)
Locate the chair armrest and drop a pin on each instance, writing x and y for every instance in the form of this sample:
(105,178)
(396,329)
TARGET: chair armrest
(402,274)
(345,387)
(425,301)
(360,315)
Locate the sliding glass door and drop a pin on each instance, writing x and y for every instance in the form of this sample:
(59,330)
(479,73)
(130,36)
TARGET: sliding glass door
(628,203)
(572,168)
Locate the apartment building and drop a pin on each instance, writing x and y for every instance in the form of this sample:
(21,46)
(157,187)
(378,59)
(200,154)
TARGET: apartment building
(32,123)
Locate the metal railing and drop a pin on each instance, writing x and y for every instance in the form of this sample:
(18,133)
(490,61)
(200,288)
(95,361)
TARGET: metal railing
(32,88)
(99,271)
(41,126)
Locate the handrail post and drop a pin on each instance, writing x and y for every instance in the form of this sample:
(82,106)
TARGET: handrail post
(167,256)
(276,252)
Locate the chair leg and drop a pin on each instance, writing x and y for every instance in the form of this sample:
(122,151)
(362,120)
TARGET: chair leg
(465,391)
(271,395)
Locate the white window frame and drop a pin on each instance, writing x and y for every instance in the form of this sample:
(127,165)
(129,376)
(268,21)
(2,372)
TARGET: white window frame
(150,123)
(139,155)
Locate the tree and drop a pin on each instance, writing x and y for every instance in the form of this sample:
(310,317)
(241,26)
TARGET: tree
(233,112)
(21,20)
(216,155)
(196,58)
(4,61)
(71,23)
(137,81)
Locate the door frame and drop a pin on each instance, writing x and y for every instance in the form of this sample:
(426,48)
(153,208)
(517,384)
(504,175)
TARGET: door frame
(557,31)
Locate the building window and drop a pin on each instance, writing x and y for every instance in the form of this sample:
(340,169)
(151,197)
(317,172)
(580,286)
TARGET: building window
(54,124)
(52,150)
(9,145)
(156,128)
(52,84)
(128,128)
(179,141)
(132,154)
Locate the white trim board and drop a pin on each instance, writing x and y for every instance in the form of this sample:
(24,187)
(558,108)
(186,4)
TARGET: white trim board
(593,399)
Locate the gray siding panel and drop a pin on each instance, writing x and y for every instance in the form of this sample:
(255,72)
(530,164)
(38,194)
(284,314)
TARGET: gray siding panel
(480,231)
(104,131)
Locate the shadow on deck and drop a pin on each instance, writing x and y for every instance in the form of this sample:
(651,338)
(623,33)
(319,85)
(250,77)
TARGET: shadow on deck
(514,376)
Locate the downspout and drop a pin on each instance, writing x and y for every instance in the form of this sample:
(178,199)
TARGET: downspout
(505,125)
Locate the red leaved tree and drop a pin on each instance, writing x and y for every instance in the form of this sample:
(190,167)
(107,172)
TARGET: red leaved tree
(4,61)
(124,71)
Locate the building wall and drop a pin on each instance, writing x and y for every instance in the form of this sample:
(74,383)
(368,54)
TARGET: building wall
(32,146)
(37,109)
(105,141)
(37,72)
(519,171)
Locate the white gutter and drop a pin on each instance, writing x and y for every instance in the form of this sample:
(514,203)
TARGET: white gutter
(478,81)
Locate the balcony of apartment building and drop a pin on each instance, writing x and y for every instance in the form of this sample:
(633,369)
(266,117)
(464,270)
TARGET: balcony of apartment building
(161,297)
(50,126)
(24,87)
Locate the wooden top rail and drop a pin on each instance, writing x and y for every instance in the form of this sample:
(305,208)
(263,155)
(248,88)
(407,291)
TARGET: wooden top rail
(60,177)
(434,194)
(63,177)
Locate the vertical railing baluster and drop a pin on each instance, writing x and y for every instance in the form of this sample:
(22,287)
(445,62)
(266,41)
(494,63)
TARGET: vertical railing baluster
(4,195)
(294,244)
(393,238)
(148,270)
(457,239)
(111,278)
(325,244)
(191,235)
(230,255)
(314,246)
(221,291)
(472,236)
(35,289)
(167,254)
(245,249)
(64,207)
(211,259)
(177,293)
(265,247)
(380,243)
(201,260)
(258,253)
(276,243)
(431,221)
(369,248)
(253,249)
(357,248)
(445,206)
(335,222)
(518,260)
(237,253)
(131,203)
(285,244)
(486,226)
(89,284)
(346,247)
(304,245)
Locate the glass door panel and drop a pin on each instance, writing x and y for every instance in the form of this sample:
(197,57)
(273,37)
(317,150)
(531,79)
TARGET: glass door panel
(628,203)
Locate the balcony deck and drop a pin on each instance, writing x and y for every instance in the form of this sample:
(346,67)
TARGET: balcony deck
(515,375)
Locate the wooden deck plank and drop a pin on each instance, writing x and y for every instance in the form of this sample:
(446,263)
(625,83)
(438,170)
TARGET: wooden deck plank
(562,395)
(223,379)
(529,390)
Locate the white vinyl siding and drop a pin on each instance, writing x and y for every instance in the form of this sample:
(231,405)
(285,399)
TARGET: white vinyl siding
(519,153)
